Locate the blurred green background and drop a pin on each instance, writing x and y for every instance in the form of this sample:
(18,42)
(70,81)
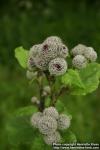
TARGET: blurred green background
(26,22)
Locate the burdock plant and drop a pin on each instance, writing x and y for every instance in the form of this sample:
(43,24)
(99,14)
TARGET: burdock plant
(47,121)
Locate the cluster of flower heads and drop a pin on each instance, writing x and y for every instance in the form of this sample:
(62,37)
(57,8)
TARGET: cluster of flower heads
(50,55)
(49,123)
(82,55)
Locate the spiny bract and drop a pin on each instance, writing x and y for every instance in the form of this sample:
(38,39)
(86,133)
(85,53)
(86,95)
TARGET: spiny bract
(51,111)
(57,66)
(63,122)
(47,125)
(79,62)
(53,138)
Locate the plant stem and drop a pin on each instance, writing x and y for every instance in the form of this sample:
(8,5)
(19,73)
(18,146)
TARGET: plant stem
(51,81)
(41,106)
(61,91)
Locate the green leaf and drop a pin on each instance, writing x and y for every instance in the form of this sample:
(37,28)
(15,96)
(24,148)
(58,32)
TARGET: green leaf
(22,56)
(47,101)
(28,110)
(20,130)
(84,81)
(90,76)
(68,136)
(60,106)
(62,109)
(39,144)
(19,127)
(72,78)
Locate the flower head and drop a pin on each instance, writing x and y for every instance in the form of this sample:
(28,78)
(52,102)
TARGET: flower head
(35,119)
(90,54)
(78,50)
(52,138)
(79,62)
(63,122)
(51,111)
(57,66)
(47,125)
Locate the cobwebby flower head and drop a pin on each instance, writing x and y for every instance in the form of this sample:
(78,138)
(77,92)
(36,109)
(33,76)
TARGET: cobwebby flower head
(78,50)
(79,62)
(63,122)
(90,54)
(49,51)
(51,111)
(47,125)
(57,66)
(35,119)
(41,63)
(38,59)
(52,138)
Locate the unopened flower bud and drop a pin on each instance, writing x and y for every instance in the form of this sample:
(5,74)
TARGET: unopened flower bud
(30,75)
(35,100)
(47,89)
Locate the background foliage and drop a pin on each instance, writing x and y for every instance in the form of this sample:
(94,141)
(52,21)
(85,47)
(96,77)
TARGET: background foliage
(25,22)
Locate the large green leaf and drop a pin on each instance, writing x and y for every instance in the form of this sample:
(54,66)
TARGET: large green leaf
(60,106)
(68,136)
(72,78)
(20,130)
(22,56)
(39,144)
(28,110)
(84,81)
(90,76)
(19,127)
